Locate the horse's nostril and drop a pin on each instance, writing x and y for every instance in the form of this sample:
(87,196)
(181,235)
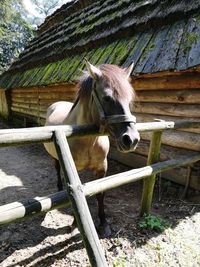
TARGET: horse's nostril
(127,141)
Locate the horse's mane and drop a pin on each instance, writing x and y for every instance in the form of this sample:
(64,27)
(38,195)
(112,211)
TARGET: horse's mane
(116,79)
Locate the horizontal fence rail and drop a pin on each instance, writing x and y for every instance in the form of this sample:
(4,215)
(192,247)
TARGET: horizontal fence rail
(45,133)
(76,192)
(19,210)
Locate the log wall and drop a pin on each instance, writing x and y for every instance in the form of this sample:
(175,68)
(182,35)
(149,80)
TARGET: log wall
(171,97)
(32,103)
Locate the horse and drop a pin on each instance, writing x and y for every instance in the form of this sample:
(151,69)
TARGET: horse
(103,98)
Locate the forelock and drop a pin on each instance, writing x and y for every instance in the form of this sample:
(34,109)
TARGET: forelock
(117,80)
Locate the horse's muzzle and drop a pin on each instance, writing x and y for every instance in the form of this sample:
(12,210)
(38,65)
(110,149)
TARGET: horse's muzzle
(127,143)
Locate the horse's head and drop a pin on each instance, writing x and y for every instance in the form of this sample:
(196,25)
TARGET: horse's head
(112,94)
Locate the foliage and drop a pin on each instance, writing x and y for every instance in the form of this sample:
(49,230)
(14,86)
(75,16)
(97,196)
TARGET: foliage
(46,7)
(153,222)
(15,31)
(17,26)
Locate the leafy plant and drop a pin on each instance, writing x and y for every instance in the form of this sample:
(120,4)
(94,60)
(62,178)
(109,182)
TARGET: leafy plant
(15,31)
(153,222)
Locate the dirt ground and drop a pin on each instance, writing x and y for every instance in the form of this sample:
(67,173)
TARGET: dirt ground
(27,172)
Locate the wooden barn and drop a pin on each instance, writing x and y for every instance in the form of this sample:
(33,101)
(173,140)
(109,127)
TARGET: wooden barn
(161,37)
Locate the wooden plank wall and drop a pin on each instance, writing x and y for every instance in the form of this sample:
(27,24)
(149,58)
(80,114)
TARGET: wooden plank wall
(171,97)
(175,97)
(33,102)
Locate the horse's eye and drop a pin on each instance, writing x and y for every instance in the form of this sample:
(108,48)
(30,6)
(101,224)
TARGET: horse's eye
(107,98)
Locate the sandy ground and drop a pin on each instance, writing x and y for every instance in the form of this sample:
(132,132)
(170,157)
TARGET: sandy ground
(27,172)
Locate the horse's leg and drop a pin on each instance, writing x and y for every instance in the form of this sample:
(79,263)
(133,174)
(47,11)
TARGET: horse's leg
(59,180)
(104,228)
(60,188)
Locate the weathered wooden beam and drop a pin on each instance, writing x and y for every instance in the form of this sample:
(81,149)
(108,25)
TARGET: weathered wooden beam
(185,96)
(178,139)
(16,211)
(25,100)
(22,209)
(35,110)
(61,87)
(42,134)
(167,152)
(26,105)
(177,175)
(26,111)
(186,81)
(169,109)
(78,201)
(166,125)
(57,95)
(149,182)
(167,73)
(144,118)
(30,91)
(21,136)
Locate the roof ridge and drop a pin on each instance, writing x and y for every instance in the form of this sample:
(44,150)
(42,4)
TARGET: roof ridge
(56,28)
(67,9)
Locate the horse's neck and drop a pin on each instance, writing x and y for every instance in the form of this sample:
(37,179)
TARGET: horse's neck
(80,114)
(89,152)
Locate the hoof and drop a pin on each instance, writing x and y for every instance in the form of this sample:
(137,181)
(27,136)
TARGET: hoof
(104,230)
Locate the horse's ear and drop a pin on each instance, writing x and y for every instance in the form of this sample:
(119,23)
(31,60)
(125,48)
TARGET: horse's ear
(94,72)
(129,70)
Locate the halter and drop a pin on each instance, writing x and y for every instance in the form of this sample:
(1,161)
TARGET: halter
(113,119)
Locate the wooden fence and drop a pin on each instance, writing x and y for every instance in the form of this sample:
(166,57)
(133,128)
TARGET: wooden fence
(76,193)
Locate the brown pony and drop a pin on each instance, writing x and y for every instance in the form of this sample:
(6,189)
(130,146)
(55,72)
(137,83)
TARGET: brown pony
(103,99)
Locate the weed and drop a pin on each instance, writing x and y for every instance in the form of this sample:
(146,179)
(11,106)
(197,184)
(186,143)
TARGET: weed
(153,222)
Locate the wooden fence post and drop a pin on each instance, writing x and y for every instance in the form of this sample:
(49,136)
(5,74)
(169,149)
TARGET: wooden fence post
(78,201)
(149,182)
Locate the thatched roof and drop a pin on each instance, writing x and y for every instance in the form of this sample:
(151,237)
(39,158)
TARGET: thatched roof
(158,35)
